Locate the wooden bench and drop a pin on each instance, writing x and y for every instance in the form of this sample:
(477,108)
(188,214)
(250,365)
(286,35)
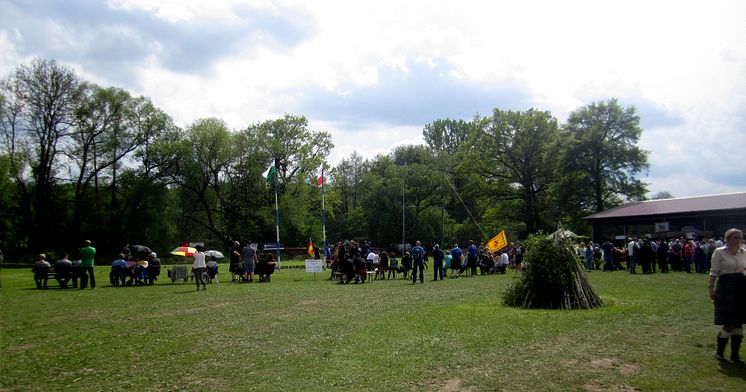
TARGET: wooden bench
(52,276)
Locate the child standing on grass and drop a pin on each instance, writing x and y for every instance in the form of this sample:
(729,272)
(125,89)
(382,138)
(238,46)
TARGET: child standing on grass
(199,267)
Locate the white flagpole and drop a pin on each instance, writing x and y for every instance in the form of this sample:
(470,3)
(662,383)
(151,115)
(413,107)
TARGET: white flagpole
(277,216)
(323,214)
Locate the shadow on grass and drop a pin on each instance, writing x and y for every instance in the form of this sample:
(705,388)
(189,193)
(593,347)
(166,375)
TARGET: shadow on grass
(188,291)
(731,369)
(50,288)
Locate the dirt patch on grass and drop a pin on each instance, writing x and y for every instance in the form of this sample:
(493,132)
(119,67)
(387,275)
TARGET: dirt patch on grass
(569,362)
(454,385)
(20,347)
(605,366)
(626,369)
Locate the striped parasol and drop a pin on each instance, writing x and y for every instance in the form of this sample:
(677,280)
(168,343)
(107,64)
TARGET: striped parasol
(185,251)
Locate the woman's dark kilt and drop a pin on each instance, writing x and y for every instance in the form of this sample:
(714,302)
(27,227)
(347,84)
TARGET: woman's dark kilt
(730,305)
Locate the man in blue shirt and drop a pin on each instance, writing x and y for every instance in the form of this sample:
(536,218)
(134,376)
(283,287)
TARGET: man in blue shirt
(455,261)
(118,273)
(472,251)
(418,253)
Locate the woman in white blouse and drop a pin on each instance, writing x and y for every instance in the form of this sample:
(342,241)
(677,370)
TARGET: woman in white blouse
(728,269)
(199,266)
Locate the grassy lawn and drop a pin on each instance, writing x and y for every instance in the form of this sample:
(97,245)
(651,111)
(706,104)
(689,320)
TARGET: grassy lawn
(301,334)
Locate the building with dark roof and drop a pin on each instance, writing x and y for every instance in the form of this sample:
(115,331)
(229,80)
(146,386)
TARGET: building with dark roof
(689,217)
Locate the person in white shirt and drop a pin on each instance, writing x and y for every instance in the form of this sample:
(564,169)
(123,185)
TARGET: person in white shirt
(374,259)
(728,270)
(632,249)
(199,266)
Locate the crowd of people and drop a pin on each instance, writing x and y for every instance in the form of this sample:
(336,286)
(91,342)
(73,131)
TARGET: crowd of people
(351,261)
(651,255)
(131,268)
(724,260)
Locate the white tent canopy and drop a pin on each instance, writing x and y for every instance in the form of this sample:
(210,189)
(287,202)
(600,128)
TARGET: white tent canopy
(563,233)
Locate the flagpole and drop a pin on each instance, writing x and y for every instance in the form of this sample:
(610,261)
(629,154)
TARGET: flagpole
(277,216)
(323,213)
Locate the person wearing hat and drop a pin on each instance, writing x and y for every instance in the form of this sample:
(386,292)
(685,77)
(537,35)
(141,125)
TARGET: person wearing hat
(438,263)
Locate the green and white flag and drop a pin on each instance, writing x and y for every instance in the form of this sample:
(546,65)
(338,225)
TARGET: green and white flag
(269,174)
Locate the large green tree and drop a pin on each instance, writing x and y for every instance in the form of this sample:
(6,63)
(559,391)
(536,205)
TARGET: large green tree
(509,151)
(38,118)
(600,158)
(447,135)
(103,136)
(140,193)
(299,153)
(346,180)
(426,191)
(202,157)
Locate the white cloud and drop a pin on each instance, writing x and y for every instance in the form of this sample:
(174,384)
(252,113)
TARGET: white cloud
(684,61)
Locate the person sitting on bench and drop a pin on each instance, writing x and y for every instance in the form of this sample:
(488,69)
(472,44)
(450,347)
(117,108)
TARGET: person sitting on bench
(119,271)
(141,272)
(212,270)
(502,262)
(41,271)
(154,268)
(63,270)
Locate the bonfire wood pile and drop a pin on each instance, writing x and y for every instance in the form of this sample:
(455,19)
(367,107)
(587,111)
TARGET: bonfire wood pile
(554,278)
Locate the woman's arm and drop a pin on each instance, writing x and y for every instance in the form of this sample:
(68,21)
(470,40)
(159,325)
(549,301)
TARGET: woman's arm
(714,272)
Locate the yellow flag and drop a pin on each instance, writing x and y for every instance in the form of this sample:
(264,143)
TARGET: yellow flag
(497,242)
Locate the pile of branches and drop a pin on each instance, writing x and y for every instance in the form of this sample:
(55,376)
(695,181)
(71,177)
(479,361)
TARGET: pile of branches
(554,278)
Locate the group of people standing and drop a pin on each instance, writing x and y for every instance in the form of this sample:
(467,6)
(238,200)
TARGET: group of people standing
(243,261)
(680,254)
(67,271)
(352,261)
(677,254)
(724,261)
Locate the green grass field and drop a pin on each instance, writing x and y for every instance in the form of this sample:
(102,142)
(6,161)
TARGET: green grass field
(300,334)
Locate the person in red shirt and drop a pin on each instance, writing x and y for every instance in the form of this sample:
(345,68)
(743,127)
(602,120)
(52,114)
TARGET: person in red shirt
(687,253)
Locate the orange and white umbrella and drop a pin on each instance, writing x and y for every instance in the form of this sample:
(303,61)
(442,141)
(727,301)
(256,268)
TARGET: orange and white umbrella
(185,251)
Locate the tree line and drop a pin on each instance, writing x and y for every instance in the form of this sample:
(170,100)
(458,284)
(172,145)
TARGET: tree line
(80,161)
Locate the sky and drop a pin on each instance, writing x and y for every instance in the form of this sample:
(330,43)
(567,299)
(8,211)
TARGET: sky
(374,73)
